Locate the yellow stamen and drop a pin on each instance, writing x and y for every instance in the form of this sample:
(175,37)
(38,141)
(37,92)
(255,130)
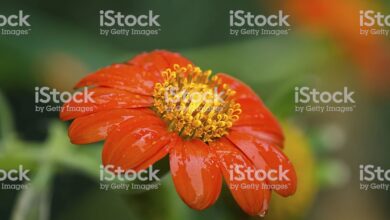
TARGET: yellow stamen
(195,105)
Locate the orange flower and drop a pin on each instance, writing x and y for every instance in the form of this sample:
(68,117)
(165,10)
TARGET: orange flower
(159,103)
(341,20)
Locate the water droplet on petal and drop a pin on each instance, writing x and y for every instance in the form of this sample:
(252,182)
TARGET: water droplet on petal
(262,214)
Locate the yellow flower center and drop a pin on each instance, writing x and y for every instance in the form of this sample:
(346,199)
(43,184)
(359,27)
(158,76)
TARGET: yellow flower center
(194,104)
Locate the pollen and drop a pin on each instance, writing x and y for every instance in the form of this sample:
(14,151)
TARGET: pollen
(195,104)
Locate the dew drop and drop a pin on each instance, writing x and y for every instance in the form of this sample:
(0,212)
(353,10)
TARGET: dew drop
(262,214)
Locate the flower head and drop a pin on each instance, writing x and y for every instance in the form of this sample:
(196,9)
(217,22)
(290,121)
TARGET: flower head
(194,105)
(159,103)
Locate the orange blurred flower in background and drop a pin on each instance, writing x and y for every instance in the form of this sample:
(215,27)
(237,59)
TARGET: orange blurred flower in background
(341,19)
(158,103)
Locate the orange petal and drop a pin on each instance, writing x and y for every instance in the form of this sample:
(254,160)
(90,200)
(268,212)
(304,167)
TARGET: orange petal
(95,127)
(248,193)
(262,134)
(131,78)
(158,60)
(259,151)
(195,173)
(103,99)
(255,114)
(243,91)
(134,143)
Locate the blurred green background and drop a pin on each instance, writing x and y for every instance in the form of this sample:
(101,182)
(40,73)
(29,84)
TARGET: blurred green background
(323,50)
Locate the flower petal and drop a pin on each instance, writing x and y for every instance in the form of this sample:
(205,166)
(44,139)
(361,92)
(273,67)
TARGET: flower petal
(255,114)
(262,134)
(158,60)
(103,99)
(195,173)
(242,91)
(95,127)
(134,142)
(131,78)
(259,151)
(248,193)
(138,75)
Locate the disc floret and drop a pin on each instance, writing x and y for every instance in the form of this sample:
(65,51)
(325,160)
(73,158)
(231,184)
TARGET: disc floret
(194,104)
